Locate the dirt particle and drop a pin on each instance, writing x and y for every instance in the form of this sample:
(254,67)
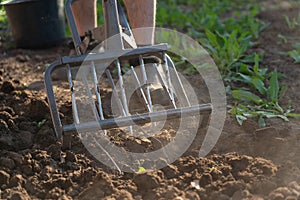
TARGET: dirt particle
(24,140)
(276,196)
(5,116)
(229,188)
(3,127)
(62,182)
(241,194)
(123,194)
(102,185)
(18,159)
(73,192)
(295,186)
(219,196)
(264,166)
(16,180)
(45,136)
(6,142)
(27,170)
(170,171)
(205,179)
(170,192)
(246,176)
(7,162)
(239,163)
(22,58)
(56,193)
(192,195)
(8,109)
(17,194)
(7,87)
(27,126)
(263,187)
(54,151)
(38,109)
(4,177)
(146,181)
(70,156)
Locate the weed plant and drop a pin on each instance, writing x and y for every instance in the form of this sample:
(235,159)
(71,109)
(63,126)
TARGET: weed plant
(227,29)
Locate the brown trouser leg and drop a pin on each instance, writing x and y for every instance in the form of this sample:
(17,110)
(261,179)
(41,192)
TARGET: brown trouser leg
(85,14)
(141,13)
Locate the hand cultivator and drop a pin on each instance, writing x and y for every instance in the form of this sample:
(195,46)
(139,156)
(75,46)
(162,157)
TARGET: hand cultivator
(119,53)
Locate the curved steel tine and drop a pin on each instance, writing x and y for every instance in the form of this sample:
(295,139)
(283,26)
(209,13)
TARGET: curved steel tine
(167,70)
(71,86)
(162,82)
(123,94)
(142,93)
(97,92)
(178,80)
(145,80)
(111,82)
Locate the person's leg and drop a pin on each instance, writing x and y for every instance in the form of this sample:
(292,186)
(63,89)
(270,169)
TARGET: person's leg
(141,13)
(85,14)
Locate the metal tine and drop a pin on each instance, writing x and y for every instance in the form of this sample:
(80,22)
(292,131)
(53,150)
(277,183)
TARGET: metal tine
(161,80)
(145,80)
(111,81)
(123,94)
(168,77)
(74,106)
(179,82)
(140,88)
(97,92)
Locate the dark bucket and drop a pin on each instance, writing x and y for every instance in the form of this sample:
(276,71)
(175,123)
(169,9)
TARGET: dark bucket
(36,23)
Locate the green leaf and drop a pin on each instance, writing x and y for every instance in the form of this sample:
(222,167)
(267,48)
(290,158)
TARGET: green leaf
(259,85)
(261,122)
(283,117)
(141,169)
(295,54)
(293,115)
(245,69)
(256,63)
(240,119)
(274,87)
(282,91)
(245,78)
(246,96)
(212,38)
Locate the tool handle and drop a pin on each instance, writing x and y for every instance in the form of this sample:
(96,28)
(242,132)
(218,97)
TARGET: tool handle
(75,35)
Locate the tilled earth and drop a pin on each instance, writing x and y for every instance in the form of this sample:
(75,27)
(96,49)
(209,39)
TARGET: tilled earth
(247,162)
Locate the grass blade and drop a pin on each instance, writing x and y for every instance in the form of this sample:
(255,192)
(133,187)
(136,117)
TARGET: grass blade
(246,96)
(274,87)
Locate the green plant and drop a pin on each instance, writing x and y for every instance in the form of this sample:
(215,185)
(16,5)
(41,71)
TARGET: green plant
(255,91)
(292,23)
(139,164)
(226,49)
(295,53)
(3,19)
(263,102)
(41,123)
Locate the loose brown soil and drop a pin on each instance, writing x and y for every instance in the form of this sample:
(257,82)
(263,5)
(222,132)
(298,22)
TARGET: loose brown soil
(247,163)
